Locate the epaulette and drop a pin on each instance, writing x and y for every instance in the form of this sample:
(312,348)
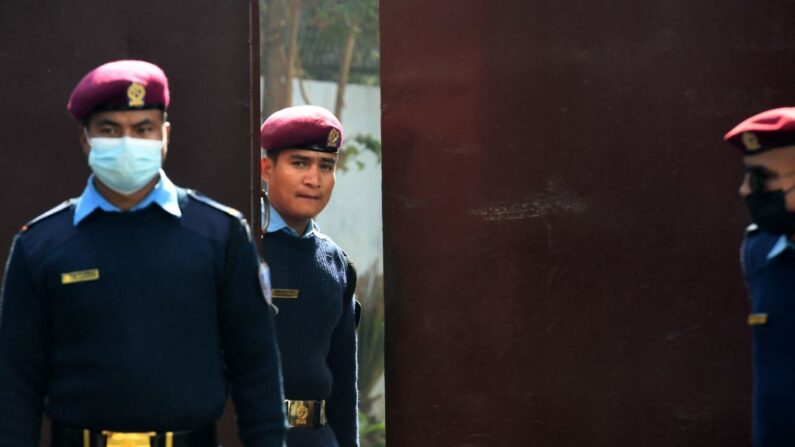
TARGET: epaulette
(217,205)
(751,229)
(62,207)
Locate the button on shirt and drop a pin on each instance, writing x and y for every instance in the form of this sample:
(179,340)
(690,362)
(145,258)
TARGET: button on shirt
(276,223)
(164,195)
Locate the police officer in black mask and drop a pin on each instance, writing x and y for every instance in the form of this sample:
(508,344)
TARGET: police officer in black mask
(767,141)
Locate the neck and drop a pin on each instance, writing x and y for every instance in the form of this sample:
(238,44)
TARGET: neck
(298,225)
(121,201)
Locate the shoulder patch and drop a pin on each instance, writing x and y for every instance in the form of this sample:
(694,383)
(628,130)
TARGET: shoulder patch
(52,212)
(199,197)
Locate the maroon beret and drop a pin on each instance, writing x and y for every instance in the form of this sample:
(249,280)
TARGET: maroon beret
(120,85)
(768,130)
(302,127)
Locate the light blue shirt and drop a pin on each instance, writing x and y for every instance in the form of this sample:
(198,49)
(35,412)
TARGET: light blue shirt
(781,246)
(164,195)
(276,223)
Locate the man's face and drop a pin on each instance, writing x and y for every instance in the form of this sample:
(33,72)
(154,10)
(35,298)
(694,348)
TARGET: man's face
(145,124)
(770,171)
(299,183)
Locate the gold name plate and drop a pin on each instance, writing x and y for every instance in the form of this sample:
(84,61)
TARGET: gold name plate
(285,293)
(757,319)
(81,276)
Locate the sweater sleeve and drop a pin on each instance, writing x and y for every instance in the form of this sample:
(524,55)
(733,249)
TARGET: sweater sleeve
(342,405)
(249,344)
(24,347)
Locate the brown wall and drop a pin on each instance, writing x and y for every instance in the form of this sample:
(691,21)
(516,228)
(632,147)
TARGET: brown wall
(204,47)
(561,225)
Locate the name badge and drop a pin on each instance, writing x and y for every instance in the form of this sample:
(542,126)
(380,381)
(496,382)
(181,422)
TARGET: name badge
(81,276)
(757,319)
(285,293)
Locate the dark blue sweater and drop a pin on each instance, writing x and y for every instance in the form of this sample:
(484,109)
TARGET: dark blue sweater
(771,284)
(147,339)
(317,333)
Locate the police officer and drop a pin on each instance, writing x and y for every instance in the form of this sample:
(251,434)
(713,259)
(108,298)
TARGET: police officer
(767,142)
(313,281)
(128,312)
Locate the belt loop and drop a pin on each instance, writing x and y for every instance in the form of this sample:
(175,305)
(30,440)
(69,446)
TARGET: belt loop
(86,438)
(170,439)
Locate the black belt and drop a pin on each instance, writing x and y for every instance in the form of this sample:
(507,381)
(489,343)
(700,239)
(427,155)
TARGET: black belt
(75,437)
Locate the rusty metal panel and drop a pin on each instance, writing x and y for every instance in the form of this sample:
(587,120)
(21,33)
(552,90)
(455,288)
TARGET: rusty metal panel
(561,225)
(204,46)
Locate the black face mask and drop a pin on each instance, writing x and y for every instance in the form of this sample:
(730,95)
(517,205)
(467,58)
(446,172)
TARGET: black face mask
(769,211)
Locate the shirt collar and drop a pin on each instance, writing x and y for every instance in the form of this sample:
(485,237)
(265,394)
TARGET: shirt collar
(276,223)
(164,195)
(780,246)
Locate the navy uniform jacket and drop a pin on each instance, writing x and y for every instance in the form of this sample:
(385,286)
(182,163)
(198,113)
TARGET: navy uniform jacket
(313,287)
(769,269)
(137,321)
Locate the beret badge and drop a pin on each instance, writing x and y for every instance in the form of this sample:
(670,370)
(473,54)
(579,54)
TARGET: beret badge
(333,138)
(750,141)
(136,93)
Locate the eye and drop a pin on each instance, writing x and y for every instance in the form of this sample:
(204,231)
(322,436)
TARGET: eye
(107,130)
(758,178)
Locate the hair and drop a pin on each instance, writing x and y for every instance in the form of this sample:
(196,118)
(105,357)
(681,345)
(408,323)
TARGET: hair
(273,154)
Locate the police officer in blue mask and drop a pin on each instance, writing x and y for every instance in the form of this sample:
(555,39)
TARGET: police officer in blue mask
(129,312)
(767,142)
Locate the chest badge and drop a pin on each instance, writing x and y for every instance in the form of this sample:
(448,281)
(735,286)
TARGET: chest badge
(757,319)
(80,276)
(285,293)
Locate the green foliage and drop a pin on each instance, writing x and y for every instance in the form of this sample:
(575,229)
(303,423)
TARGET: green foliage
(370,292)
(333,20)
(353,149)
(372,433)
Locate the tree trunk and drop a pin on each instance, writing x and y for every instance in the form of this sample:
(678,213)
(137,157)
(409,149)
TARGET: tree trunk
(292,49)
(279,62)
(345,69)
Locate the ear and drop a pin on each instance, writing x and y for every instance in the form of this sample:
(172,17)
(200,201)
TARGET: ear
(166,138)
(266,169)
(83,131)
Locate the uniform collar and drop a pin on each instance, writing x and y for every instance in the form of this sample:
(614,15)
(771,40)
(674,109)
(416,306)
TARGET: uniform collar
(781,245)
(276,223)
(164,195)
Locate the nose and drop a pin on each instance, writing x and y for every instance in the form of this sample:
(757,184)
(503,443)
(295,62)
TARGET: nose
(745,187)
(312,177)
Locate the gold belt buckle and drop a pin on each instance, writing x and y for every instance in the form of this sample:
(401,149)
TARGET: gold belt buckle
(116,439)
(300,413)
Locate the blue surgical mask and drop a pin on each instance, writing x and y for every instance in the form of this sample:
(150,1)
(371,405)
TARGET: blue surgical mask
(125,164)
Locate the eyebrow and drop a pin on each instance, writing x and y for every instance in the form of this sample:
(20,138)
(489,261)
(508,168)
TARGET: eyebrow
(107,122)
(110,122)
(143,122)
(759,169)
(332,160)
